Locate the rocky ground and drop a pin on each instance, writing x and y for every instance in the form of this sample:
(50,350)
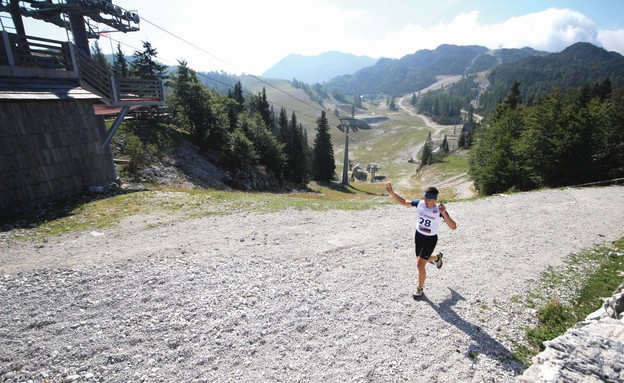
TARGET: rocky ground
(291,296)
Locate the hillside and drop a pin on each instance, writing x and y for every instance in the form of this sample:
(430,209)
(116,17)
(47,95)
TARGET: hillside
(581,64)
(392,143)
(417,71)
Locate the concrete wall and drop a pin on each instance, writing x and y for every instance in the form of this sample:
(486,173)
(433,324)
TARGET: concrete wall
(50,150)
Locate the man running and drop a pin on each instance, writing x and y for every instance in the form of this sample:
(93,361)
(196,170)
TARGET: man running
(426,237)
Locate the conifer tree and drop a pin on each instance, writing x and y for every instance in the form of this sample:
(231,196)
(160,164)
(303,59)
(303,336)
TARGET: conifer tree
(393,106)
(286,135)
(495,161)
(99,57)
(269,150)
(324,166)
(197,109)
(445,145)
(462,140)
(236,107)
(120,66)
(144,66)
(260,104)
(300,166)
(427,154)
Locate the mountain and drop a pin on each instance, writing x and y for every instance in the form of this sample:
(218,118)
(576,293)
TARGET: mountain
(318,69)
(419,70)
(578,65)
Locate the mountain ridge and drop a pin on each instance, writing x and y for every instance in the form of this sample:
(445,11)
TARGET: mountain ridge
(319,68)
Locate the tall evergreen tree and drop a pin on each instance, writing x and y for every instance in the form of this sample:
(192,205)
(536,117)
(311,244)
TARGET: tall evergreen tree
(324,165)
(300,163)
(197,109)
(237,105)
(269,149)
(237,95)
(445,145)
(99,57)
(287,137)
(144,65)
(495,164)
(427,153)
(260,104)
(120,66)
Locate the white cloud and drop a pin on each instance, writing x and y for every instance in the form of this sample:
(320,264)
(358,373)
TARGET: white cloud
(550,30)
(250,36)
(612,40)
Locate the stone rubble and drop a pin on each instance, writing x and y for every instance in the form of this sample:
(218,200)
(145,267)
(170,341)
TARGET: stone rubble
(592,351)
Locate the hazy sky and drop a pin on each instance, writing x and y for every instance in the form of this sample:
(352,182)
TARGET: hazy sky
(250,36)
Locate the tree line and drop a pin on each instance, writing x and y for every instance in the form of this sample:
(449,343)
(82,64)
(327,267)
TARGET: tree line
(242,135)
(445,105)
(247,135)
(563,139)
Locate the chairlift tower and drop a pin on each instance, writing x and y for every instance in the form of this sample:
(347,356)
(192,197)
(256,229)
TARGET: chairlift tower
(80,17)
(346,124)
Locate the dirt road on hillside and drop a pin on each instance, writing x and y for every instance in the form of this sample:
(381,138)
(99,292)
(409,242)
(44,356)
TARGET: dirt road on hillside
(290,296)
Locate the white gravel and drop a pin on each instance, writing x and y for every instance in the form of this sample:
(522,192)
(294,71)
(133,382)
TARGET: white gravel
(293,296)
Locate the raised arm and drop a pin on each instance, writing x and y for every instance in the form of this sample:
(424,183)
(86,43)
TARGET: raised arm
(400,200)
(447,218)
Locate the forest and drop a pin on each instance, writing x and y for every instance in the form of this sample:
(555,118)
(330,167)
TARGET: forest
(563,139)
(245,136)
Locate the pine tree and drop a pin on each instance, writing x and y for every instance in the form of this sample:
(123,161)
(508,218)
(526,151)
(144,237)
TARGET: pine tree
(143,66)
(392,105)
(462,140)
(427,154)
(286,135)
(270,151)
(445,145)
(496,163)
(99,57)
(198,110)
(120,66)
(237,104)
(260,105)
(300,165)
(324,165)
(237,95)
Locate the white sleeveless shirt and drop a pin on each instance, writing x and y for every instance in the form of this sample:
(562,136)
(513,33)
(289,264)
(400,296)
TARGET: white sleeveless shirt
(428,219)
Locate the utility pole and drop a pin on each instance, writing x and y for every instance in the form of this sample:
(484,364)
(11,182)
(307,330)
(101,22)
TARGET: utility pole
(347,123)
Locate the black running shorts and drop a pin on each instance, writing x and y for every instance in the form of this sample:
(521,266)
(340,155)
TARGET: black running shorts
(425,244)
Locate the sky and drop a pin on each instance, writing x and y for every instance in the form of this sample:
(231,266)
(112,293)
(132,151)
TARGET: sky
(250,36)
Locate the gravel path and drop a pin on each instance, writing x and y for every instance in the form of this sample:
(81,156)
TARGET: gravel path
(293,296)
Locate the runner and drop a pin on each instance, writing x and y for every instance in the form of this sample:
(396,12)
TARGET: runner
(426,237)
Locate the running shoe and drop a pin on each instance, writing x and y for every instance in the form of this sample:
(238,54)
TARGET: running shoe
(419,292)
(438,261)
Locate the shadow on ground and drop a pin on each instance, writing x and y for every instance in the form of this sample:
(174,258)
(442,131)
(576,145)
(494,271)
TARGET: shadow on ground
(484,343)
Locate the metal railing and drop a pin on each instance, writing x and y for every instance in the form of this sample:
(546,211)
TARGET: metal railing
(44,54)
